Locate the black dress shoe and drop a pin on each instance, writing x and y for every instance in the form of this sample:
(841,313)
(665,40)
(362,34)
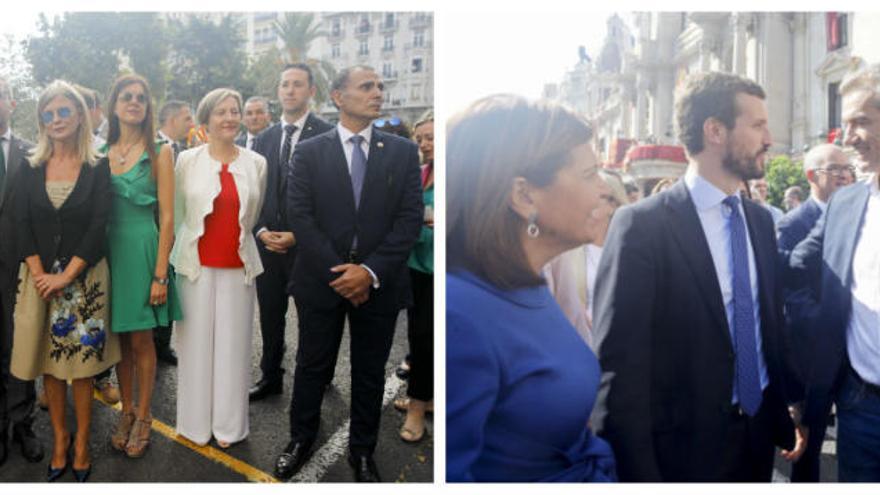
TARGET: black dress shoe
(167,356)
(365,470)
(264,388)
(292,459)
(31,448)
(82,475)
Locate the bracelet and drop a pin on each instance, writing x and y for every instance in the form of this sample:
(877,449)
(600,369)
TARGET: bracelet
(160,281)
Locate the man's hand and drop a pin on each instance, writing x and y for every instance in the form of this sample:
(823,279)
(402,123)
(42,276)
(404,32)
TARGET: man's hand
(277,242)
(801,434)
(354,283)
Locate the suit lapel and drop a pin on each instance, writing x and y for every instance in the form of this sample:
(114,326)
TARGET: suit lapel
(16,154)
(339,175)
(375,168)
(766,269)
(684,223)
(840,245)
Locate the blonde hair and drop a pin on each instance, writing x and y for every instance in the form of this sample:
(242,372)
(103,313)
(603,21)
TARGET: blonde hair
(211,100)
(44,148)
(615,183)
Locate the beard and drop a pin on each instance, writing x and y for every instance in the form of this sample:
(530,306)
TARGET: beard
(744,167)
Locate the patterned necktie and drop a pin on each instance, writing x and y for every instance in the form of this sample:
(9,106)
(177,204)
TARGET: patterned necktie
(748,383)
(358,168)
(289,129)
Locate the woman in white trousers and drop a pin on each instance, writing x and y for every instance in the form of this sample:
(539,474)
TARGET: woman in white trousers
(219,195)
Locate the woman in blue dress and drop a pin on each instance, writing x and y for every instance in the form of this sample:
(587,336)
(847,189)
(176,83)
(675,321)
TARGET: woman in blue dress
(523,185)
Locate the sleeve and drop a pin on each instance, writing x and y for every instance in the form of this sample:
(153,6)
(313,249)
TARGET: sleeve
(180,191)
(91,246)
(387,259)
(472,378)
(262,182)
(624,297)
(270,201)
(27,244)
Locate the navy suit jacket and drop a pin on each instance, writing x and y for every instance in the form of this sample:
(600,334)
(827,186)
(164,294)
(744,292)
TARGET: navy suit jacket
(9,259)
(322,213)
(664,341)
(823,263)
(273,216)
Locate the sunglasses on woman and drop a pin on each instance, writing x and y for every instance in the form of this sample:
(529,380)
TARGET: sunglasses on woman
(48,116)
(127,97)
(392,122)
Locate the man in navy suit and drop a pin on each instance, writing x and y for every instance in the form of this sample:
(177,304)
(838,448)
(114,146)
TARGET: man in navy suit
(276,241)
(688,310)
(840,263)
(256,119)
(355,202)
(826,167)
(17,397)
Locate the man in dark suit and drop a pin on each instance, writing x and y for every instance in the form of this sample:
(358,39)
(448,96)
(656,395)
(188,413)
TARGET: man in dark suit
(354,200)
(256,119)
(839,262)
(826,167)
(688,309)
(17,397)
(276,241)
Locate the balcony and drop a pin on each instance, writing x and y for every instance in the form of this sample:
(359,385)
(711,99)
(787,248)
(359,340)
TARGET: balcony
(363,28)
(420,21)
(388,27)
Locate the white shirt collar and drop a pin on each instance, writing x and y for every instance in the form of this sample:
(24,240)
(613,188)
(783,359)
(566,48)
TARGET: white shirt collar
(873,186)
(8,134)
(821,204)
(300,123)
(164,136)
(345,134)
(704,194)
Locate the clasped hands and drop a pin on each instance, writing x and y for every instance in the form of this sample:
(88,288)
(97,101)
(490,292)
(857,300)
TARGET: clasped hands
(277,242)
(48,285)
(354,283)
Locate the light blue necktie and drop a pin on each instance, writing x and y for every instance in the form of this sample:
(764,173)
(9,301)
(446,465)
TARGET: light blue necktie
(748,383)
(358,168)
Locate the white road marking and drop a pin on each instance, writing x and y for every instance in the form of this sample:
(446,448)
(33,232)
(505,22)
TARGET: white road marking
(337,445)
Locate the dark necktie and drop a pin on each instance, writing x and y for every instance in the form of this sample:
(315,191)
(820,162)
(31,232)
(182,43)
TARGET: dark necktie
(289,129)
(358,168)
(748,382)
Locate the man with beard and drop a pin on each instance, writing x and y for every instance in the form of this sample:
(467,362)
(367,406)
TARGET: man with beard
(688,317)
(840,264)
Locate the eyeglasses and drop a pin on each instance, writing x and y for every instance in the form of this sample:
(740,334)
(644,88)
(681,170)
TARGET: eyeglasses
(48,116)
(391,122)
(127,97)
(837,170)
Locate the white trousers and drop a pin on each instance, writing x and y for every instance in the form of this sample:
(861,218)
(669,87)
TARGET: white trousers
(214,355)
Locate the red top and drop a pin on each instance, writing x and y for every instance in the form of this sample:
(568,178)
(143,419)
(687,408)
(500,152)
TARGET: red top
(218,246)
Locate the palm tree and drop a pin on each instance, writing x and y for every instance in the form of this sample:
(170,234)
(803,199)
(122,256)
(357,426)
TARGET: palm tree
(298,31)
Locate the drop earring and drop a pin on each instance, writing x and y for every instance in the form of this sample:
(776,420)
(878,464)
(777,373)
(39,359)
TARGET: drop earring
(532,229)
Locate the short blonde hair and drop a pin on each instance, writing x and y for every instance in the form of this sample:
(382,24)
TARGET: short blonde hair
(44,148)
(867,79)
(615,183)
(211,100)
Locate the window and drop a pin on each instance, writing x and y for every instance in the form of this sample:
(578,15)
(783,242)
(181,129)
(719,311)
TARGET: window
(387,71)
(389,43)
(416,65)
(363,48)
(387,97)
(364,25)
(418,38)
(336,27)
(389,21)
(415,93)
(834,107)
(335,51)
(836,35)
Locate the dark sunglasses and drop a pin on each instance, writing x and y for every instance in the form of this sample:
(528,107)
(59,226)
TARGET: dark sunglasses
(48,116)
(127,97)
(392,122)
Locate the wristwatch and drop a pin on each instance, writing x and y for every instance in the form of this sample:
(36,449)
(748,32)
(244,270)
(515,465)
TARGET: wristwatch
(160,281)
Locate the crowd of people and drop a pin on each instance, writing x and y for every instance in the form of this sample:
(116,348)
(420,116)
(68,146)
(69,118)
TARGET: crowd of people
(688,338)
(113,232)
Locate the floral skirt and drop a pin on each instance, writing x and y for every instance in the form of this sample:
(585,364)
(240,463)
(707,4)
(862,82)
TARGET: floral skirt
(66,337)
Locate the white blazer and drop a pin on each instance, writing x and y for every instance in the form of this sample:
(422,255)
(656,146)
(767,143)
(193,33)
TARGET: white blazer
(197,184)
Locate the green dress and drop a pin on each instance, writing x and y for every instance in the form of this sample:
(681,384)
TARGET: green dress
(133,241)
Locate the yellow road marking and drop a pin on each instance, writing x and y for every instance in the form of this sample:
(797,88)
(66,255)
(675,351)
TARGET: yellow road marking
(218,456)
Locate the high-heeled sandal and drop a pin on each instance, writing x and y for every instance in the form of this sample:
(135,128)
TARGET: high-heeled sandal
(119,440)
(139,439)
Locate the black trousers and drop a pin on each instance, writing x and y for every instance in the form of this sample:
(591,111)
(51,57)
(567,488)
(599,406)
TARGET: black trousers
(17,397)
(806,469)
(420,332)
(749,450)
(273,300)
(372,334)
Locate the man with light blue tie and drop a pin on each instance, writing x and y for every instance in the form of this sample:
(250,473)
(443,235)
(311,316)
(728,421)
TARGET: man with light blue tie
(354,200)
(688,318)
(839,262)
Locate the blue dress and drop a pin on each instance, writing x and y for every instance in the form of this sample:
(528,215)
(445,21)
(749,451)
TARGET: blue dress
(520,387)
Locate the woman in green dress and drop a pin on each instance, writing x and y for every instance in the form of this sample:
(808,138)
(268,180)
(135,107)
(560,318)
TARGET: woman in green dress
(142,292)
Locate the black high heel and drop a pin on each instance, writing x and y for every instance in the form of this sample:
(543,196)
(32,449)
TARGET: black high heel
(81,475)
(54,473)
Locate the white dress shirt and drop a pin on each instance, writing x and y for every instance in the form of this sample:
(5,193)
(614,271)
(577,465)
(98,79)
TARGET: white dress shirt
(715,217)
(863,331)
(6,140)
(294,138)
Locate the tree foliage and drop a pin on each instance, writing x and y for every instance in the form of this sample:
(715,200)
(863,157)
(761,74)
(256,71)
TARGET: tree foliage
(781,174)
(15,68)
(298,31)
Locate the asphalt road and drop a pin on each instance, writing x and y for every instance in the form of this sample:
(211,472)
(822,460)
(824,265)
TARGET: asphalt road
(171,459)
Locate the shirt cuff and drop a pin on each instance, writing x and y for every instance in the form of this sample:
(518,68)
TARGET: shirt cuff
(372,274)
(262,229)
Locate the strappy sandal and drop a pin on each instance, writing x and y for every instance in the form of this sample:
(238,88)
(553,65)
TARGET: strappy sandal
(123,429)
(139,439)
(409,436)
